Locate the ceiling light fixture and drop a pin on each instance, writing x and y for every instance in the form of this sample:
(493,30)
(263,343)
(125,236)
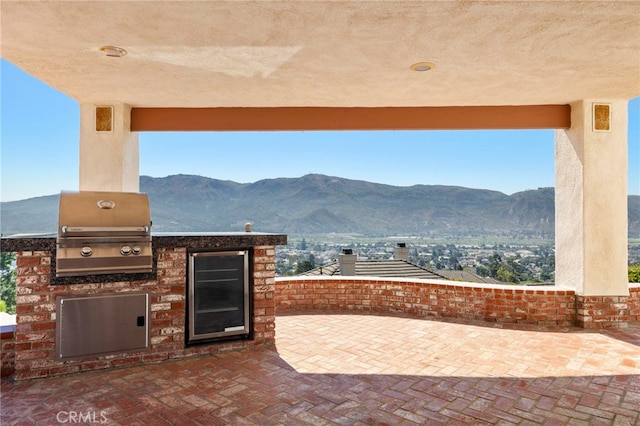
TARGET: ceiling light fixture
(113,51)
(422,66)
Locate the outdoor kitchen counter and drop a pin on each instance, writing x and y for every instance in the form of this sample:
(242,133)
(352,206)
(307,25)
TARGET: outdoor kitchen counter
(160,296)
(189,240)
(47,242)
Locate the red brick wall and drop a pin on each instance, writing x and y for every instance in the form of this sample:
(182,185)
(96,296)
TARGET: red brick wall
(608,311)
(36,304)
(503,304)
(264,289)
(7,353)
(634,303)
(602,311)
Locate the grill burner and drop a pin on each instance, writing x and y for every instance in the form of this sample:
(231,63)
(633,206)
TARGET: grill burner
(103,233)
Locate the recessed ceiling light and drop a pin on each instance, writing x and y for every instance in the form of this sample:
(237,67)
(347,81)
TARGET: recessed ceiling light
(422,66)
(113,51)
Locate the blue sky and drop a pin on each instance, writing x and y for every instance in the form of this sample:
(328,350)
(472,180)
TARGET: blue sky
(40,137)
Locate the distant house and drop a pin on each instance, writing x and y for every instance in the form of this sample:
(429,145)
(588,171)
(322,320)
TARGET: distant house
(348,264)
(466,276)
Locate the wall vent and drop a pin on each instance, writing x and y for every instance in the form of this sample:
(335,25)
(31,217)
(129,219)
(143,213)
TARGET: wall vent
(104,118)
(601,117)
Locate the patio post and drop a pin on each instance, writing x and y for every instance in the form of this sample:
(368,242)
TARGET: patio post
(591,210)
(109,155)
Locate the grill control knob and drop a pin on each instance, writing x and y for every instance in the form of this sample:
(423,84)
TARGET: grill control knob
(137,250)
(86,251)
(125,250)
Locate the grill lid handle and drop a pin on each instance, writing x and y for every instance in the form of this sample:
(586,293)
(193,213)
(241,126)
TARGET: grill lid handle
(73,229)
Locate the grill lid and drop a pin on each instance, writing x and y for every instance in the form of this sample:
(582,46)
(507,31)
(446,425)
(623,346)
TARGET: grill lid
(95,213)
(103,232)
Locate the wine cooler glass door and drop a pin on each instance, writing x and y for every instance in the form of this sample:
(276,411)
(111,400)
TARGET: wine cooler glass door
(218,294)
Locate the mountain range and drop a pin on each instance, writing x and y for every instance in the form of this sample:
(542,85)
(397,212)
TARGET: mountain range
(319,204)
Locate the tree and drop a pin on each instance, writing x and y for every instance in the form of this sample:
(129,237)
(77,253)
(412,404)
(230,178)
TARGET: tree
(505,275)
(8,281)
(453,262)
(546,274)
(483,271)
(495,262)
(304,265)
(634,273)
(508,271)
(414,257)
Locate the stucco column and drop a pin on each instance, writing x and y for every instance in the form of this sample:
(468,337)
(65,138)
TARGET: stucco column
(109,155)
(591,200)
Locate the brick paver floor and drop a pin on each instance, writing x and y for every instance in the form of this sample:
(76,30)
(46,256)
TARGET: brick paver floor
(362,370)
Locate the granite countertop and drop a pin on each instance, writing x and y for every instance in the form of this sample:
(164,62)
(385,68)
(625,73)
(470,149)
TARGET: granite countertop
(217,239)
(47,242)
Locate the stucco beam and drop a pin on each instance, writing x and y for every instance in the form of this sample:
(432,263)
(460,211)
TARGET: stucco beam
(335,118)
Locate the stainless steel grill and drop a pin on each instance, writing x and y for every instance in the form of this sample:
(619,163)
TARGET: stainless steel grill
(103,233)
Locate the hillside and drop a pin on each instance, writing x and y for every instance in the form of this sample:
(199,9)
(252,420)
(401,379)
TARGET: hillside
(315,204)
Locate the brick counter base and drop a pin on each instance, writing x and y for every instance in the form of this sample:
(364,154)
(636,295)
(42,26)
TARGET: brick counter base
(7,353)
(546,306)
(34,342)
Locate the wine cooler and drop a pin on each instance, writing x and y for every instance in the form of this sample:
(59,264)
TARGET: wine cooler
(218,295)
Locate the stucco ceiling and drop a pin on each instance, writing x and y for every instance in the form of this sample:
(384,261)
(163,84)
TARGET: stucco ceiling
(328,53)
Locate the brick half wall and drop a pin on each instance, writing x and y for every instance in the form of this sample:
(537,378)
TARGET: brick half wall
(634,302)
(608,311)
(546,306)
